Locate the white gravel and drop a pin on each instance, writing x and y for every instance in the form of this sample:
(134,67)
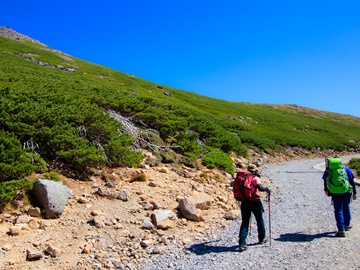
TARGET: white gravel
(302,230)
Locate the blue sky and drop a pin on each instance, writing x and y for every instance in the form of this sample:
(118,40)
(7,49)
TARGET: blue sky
(277,52)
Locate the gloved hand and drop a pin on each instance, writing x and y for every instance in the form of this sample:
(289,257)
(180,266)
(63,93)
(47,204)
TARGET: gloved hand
(268,191)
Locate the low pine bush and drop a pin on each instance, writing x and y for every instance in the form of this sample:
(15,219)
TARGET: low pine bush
(355,165)
(217,159)
(10,189)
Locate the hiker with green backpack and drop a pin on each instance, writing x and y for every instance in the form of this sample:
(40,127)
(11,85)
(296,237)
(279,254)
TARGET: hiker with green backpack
(339,184)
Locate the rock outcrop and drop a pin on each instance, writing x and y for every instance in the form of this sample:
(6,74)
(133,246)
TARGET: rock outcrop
(52,197)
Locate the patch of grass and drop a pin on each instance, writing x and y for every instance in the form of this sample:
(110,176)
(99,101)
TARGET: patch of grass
(355,165)
(10,189)
(138,178)
(52,176)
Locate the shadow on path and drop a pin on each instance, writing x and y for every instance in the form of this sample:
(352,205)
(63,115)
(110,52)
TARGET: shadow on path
(209,247)
(301,237)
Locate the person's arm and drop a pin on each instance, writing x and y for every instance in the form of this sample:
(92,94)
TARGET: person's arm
(325,188)
(351,181)
(257,184)
(260,187)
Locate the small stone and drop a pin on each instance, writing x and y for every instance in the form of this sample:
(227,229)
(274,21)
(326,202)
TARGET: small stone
(145,243)
(33,255)
(22,219)
(155,251)
(82,200)
(14,230)
(152,184)
(33,224)
(53,251)
(34,212)
(96,212)
(7,247)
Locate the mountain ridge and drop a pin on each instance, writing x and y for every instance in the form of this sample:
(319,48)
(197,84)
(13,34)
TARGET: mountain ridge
(10,33)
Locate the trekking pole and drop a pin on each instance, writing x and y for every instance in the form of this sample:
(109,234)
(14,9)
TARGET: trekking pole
(249,226)
(268,199)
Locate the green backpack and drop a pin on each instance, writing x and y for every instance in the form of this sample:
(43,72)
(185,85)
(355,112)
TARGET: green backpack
(337,180)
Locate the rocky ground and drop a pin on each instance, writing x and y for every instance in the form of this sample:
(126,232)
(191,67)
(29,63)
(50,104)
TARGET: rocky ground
(302,230)
(122,239)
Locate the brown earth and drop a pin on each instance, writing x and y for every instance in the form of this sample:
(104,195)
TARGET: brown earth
(77,239)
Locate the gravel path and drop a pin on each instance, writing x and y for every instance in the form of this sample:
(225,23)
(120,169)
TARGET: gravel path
(302,230)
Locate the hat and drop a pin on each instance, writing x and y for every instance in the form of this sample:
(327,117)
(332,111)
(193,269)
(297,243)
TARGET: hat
(252,168)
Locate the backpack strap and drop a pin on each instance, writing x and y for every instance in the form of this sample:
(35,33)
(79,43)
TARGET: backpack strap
(253,196)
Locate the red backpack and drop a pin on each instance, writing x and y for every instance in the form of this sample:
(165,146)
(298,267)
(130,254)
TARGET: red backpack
(243,186)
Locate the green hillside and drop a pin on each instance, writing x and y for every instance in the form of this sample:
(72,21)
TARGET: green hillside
(55,114)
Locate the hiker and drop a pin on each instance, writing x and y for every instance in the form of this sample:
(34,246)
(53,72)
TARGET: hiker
(339,184)
(253,206)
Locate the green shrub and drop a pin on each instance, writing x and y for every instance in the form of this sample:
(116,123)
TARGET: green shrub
(216,158)
(81,159)
(9,189)
(188,144)
(355,165)
(15,162)
(189,162)
(168,156)
(120,154)
(227,142)
(52,176)
(252,139)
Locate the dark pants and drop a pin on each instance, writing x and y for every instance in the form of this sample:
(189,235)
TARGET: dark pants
(248,207)
(342,210)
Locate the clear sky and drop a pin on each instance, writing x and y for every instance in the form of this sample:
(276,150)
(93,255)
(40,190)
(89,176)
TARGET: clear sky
(303,52)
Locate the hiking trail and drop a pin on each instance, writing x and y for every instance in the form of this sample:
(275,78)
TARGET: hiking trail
(302,230)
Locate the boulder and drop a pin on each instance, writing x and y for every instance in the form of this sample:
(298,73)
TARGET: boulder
(163,219)
(202,200)
(52,197)
(232,215)
(188,209)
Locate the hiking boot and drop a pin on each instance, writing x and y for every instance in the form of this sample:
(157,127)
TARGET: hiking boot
(242,248)
(340,234)
(348,228)
(265,240)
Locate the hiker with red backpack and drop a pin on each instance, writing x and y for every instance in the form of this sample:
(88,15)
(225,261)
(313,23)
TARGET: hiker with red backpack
(246,187)
(339,184)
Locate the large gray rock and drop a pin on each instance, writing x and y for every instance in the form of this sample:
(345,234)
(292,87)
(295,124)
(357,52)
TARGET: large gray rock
(188,209)
(52,196)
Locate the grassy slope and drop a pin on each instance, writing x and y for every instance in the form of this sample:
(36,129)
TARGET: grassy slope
(264,126)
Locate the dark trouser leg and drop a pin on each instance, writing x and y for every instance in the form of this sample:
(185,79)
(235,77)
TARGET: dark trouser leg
(258,213)
(346,209)
(245,216)
(339,215)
